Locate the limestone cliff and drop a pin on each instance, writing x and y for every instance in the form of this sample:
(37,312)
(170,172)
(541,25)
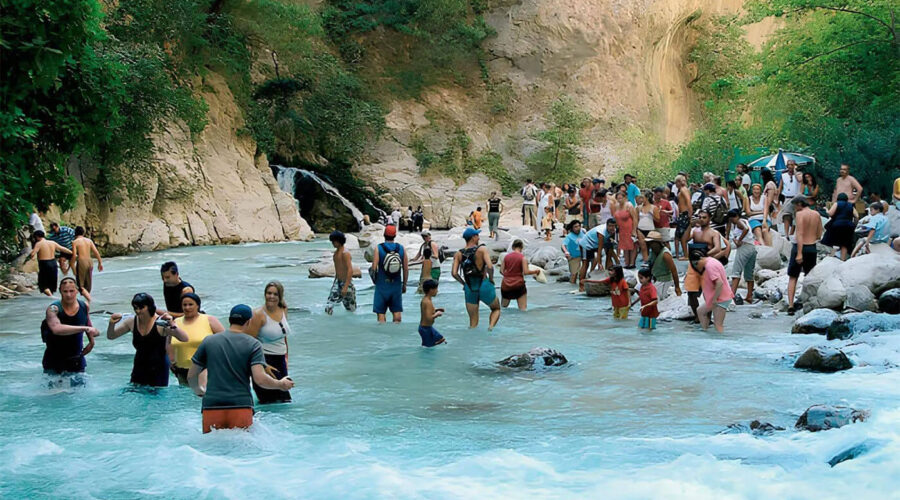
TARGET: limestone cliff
(207,190)
(623,61)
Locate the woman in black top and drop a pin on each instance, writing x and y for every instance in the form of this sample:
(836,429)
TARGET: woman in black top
(149,338)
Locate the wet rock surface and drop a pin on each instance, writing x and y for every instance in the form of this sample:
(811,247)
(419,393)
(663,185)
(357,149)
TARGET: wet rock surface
(537,357)
(823,359)
(823,417)
(815,321)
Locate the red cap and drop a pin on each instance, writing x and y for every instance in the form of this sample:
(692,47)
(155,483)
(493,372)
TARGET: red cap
(390,231)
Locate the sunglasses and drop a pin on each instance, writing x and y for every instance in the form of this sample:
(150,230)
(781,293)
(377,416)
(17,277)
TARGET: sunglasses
(283,331)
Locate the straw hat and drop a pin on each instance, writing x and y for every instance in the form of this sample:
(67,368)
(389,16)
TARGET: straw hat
(654,236)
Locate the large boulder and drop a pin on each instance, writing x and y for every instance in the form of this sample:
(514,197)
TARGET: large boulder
(352,242)
(823,359)
(325,269)
(889,302)
(768,258)
(760,276)
(544,256)
(852,324)
(824,417)
(815,321)
(371,235)
(537,357)
(675,307)
(860,298)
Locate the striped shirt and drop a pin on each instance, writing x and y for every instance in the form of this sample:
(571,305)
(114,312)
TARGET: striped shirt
(64,237)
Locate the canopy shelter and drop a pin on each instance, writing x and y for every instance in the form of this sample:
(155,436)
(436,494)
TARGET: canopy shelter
(778,163)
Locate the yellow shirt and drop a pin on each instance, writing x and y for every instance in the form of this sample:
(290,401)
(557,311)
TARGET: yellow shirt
(197,330)
(897,189)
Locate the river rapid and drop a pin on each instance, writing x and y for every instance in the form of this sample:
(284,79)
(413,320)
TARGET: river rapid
(633,415)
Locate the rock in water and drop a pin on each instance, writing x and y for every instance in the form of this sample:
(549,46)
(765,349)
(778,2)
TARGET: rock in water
(855,451)
(889,302)
(542,355)
(823,359)
(860,298)
(543,256)
(852,324)
(756,427)
(596,289)
(815,321)
(824,417)
(675,307)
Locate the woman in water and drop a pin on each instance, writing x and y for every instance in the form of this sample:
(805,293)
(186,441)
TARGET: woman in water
(198,326)
(514,268)
(648,217)
(150,331)
(626,216)
(269,324)
(66,321)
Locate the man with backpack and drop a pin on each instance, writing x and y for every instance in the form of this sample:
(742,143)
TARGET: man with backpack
(388,262)
(716,205)
(529,204)
(472,267)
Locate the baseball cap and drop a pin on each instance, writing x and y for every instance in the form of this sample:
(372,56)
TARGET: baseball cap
(390,231)
(240,314)
(470,232)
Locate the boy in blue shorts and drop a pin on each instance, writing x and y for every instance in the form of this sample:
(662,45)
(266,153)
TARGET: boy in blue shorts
(649,299)
(430,336)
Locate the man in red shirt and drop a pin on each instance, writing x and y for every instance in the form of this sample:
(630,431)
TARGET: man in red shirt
(665,214)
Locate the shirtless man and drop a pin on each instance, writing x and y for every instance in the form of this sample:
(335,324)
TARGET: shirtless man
(846,183)
(342,289)
(685,212)
(82,249)
(803,252)
(709,241)
(473,269)
(46,256)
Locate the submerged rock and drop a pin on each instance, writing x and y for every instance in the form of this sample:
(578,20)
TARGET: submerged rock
(815,321)
(852,324)
(823,359)
(755,427)
(855,451)
(824,417)
(889,302)
(540,355)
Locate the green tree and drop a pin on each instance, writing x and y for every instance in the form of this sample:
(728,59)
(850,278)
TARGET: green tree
(559,159)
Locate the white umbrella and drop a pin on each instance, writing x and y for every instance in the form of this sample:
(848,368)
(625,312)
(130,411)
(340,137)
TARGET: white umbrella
(770,161)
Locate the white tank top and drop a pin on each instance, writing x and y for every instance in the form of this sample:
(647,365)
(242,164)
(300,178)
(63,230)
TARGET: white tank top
(757,207)
(605,212)
(272,335)
(645,221)
(736,233)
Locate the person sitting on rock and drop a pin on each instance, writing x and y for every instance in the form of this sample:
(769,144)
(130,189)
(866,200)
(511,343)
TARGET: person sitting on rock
(877,229)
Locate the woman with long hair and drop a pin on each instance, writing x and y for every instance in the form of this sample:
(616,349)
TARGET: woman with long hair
(150,331)
(772,204)
(811,190)
(754,210)
(269,324)
(198,326)
(626,220)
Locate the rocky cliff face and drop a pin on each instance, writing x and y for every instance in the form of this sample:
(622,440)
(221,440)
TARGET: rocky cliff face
(209,190)
(623,61)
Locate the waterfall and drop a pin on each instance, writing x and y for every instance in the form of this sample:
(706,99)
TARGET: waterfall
(287,181)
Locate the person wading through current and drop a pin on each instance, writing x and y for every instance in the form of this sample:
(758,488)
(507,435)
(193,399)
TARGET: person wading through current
(472,268)
(45,250)
(389,273)
(342,289)
(270,326)
(231,359)
(63,235)
(82,249)
(65,324)
(514,268)
(173,288)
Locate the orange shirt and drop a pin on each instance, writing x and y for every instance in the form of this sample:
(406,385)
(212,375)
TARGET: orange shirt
(622,299)
(476,219)
(692,280)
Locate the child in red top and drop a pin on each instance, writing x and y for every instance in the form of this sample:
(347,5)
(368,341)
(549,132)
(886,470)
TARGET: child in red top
(618,292)
(649,299)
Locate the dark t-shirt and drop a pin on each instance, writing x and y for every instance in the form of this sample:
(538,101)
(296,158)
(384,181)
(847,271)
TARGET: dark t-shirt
(228,357)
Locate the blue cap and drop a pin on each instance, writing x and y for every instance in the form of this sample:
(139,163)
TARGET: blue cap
(240,314)
(470,232)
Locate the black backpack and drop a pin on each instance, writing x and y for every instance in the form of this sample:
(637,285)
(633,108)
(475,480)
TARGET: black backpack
(469,264)
(720,213)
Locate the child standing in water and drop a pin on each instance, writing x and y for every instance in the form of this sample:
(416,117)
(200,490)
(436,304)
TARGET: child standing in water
(547,223)
(649,299)
(618,292)
(430,336)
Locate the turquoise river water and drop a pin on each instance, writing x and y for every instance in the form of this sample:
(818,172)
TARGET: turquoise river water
(633,415)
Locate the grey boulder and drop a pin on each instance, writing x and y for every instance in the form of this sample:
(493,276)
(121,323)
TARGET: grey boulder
(815,321)
(823,359)
(823,417)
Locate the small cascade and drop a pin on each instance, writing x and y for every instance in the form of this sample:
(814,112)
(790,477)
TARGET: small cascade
(287,181)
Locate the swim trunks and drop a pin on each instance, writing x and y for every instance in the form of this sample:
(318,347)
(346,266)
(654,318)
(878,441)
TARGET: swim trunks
(47,275)
(388,296)
(84,273)
(809,260)
(682,224)
(647,322)
(227,418)
(483,290)
(430,336)
(335,297)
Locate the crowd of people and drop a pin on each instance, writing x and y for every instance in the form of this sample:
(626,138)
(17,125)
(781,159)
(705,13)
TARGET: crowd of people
(613,229)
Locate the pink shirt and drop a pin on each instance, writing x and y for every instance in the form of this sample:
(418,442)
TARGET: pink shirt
(713,272)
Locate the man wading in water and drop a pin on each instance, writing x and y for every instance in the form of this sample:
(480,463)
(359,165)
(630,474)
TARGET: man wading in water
(45,250)
(342,289)
(477,278)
